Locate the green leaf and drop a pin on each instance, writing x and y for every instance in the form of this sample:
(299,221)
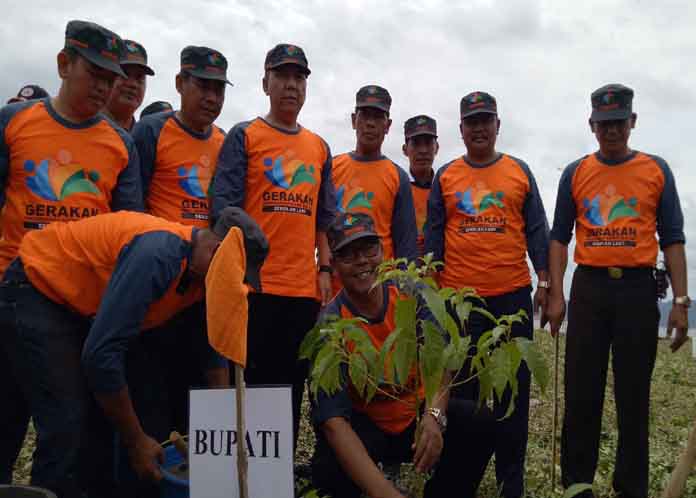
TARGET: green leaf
(357,369)
(535,361)
(485,312)
(498,332)
(576,489)
(404,356)
(500,371)
(463,310)
(432,360)
(405,313)
(485,380)
(310,343)
(435,304)
(385,358)
(456,354)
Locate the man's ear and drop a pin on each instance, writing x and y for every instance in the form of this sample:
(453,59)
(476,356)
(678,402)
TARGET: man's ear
(264,83)
(389,123)
(437,146)
(634,119)
(592,125)
(403,149)
(179,82)
(497,126)
(64,62)
(353,117)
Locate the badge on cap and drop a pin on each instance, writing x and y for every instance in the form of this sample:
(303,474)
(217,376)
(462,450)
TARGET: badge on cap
(27,92)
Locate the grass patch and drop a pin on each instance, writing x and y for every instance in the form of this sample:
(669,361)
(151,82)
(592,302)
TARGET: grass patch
(673,411)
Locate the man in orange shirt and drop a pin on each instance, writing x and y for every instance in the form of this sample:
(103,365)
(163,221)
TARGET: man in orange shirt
(420,146)
(616,199)
(280,173)
(60,160)
(354,436)
(76,296)
(129,91)
(368,182)
(485,215)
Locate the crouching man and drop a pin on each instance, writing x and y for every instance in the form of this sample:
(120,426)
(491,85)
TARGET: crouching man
(353,436)
(78,292)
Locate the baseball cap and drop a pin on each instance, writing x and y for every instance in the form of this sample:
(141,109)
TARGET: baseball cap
(420,125)
(205,63)
(255,242)
(613,101)
(96,44)
(155,107)
(29,92)
(477,103)
(284,53)
(349,227)
(135,55)
(373,96)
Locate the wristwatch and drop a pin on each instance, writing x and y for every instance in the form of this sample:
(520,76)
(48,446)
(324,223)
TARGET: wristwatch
(544,284)
(683,301)
(439,417)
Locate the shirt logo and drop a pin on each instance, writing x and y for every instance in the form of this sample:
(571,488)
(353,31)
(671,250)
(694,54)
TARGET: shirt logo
(348,200)
(193,182)
(477,200)
(605,208)
(289,175)
(56,180)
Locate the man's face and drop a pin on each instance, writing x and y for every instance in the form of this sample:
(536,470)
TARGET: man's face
(421,151)
(371,125)
(356,264)
(87,86)
(479,133)
(128,93)
(201,99)
(286,86)
(613,135)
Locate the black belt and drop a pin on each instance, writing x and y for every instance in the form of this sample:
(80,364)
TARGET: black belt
(618,272)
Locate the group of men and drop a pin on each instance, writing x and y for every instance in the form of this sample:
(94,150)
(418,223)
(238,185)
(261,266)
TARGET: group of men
(75,295)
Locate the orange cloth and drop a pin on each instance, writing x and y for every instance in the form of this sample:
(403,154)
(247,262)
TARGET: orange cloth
(226,299)
(420,203)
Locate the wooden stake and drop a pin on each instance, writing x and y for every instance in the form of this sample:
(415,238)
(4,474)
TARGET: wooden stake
(555,413)
(687,460)
(242,462)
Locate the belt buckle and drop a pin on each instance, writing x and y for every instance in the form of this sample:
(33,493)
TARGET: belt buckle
(615,272)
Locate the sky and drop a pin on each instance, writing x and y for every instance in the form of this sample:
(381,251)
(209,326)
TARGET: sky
(540,59)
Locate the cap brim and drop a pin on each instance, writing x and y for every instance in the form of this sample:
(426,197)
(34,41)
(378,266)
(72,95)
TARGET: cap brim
(381,107)
(102,62)
(353,238)
(612,115)
(148,69)
(419,133)
(473,112)
(304,69)
(208,76)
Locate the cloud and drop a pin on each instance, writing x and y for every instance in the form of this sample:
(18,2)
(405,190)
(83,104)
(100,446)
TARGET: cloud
(540,58)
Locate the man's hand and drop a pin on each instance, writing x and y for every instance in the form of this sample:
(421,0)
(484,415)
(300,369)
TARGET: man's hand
(324,287)
(540,304)
(429,446)
(145,455)
(679,320)
(555,312)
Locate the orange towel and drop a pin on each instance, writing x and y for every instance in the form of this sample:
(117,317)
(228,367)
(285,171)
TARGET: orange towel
(226,299)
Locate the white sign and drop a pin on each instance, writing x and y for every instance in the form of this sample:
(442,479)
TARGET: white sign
(213,443)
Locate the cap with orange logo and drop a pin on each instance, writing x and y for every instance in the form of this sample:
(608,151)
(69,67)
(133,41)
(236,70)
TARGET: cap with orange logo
(95,43)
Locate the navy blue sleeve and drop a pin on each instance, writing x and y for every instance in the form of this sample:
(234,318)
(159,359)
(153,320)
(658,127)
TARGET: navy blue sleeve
(145,269)
(434,232)
(566,211)
(229,182)
(326,209)
(6,114)
(404,231)
(536,225)
(146,135)
(670,218)
(128,193)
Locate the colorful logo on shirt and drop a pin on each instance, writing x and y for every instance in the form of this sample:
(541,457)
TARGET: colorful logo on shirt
(348,200)
(289,175)
(56,180)
(477,200)
(193,182)
(605,208)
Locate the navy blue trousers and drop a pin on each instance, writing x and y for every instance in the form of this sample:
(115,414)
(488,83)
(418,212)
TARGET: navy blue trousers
(511,434)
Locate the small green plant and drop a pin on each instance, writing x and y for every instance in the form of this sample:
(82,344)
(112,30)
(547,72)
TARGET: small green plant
(426,348)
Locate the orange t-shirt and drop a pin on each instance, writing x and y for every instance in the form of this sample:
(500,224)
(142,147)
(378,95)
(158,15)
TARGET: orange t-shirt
(177,165)
(617,208)
(283,181)
(55,170)
(390,415)
(420,203)
(484,226)
(72,263)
